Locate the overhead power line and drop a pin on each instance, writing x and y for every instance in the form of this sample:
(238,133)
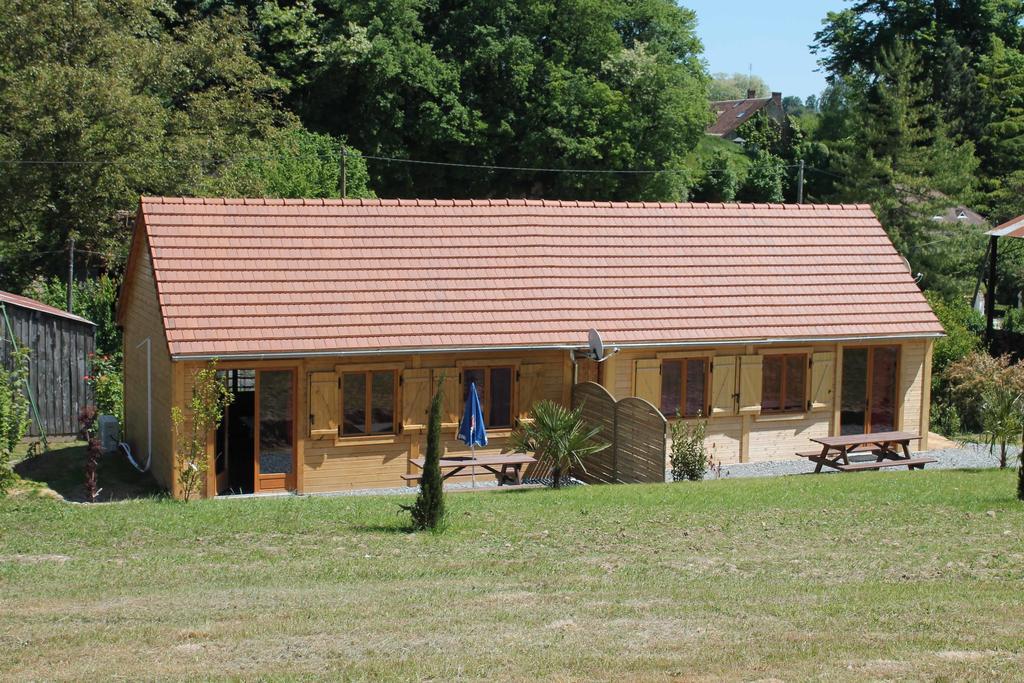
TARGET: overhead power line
(384,159)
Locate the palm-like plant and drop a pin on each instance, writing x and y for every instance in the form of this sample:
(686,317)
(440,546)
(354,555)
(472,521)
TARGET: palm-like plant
(558,437)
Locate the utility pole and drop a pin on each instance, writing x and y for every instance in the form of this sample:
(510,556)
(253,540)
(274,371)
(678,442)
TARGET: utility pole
(71,273)
(990,291)
(344,173)
(800,184)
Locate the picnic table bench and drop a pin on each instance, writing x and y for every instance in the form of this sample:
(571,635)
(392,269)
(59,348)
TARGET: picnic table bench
(507,467)
(891,449)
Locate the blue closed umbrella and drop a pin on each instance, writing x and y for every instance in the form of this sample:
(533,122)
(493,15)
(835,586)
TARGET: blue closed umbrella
(472,431)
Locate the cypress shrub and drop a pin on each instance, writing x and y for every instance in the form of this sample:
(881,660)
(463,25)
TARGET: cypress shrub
(428,511)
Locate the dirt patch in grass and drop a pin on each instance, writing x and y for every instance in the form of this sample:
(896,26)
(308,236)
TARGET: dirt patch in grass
(61,472)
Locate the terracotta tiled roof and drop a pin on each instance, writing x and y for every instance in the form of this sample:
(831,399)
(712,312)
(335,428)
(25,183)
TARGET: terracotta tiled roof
(1011,228)
(25,302)
(272,276)
(731,114)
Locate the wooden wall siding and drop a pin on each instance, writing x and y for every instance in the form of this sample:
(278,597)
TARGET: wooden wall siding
(635,431)
(912,371)
(331,464)
(58,363)
(142,320)
(754,437)
(328,463)
(780,438)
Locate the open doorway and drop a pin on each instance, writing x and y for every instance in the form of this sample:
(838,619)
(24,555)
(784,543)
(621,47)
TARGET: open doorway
(255,449)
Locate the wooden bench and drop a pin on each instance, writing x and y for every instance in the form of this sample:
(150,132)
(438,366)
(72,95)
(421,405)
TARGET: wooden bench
(506,467)
(817,454)
(912,463)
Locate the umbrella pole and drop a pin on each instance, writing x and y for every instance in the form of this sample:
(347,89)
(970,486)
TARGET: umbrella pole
(472,454)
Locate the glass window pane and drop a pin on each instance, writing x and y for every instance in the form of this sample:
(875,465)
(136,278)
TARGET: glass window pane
(501,398)
(353,396)
(275,401)
(883,389)
(695,374)
(671,388)
(382,397)
(795,385)
(771,384)
(475,375)
(854,399)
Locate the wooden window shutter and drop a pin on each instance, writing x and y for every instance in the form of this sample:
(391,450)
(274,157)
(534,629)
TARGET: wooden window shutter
(647,381)
(531,385)
(451,408)
(723,386)
(750,384)
(323,404)
(823,376)
(415,399)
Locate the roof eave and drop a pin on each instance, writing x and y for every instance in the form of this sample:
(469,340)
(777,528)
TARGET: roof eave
(763,341)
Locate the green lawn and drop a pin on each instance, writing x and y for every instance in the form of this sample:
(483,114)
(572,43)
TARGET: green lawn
(842,577)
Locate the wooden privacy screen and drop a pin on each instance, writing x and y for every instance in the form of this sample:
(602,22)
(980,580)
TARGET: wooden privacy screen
(636,431)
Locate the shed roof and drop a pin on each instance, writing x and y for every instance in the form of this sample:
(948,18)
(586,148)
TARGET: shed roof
(25,302)
(253,277)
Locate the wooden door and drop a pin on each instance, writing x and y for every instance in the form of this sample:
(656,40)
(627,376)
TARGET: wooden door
(869,389)
(274,459)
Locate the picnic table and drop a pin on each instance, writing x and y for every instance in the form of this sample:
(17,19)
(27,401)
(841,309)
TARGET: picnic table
(891,449)
(507,467)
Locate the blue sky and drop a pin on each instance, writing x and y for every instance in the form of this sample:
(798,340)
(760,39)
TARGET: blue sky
(771,35)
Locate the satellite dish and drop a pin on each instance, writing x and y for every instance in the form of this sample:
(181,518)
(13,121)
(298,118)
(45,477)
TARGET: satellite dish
(596,344)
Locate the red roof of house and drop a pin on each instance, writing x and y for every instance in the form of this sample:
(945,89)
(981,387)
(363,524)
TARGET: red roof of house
(254,276)
(1011,228)
(25,302)
(731,114)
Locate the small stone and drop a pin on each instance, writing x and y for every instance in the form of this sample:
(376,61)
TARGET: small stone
(991,513)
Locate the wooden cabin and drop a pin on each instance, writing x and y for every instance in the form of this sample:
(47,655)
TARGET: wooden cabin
(332,320)
(59,345)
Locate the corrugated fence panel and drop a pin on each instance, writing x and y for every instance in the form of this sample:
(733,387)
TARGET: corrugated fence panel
(58,363)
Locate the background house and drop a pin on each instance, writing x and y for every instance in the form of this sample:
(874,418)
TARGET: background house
(59,344)
(333,320)
(730,115)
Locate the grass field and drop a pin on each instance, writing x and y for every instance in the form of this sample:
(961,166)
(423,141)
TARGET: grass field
(841,577)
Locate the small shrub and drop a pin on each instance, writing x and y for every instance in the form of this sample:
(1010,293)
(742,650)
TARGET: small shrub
(428,510)
(689,456)
(945,419)
(210,397)
(87,430)
(107,385)
(997,387)
(558,437)
(14,415)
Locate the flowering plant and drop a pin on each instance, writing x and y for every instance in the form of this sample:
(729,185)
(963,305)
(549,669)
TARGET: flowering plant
(107,386)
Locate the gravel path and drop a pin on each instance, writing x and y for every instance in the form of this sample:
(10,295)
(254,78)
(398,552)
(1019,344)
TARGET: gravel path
(970,456)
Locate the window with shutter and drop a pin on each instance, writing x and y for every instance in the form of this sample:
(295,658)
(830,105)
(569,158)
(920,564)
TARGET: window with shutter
(750,384)
(723,386)
(416,393)
(531,379)
(823,374)
(323,404)
(647,380)
(451,407)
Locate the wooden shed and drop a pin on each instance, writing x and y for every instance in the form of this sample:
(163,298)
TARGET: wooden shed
(333,320)
(59,344)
